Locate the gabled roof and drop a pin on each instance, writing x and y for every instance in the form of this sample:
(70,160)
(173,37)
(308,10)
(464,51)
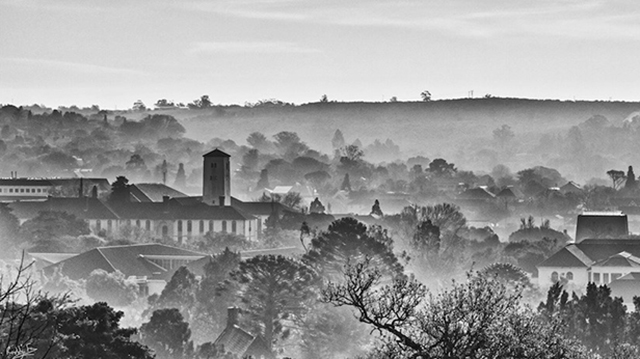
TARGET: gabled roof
(507,193)
(478,193)
(589,251)
(84,208)
(130,260)
(569,256)
(152,192)
(622,259)
(216,153)
(281,189)
(234,340)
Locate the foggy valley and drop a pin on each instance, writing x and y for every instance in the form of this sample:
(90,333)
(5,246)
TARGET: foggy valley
(288,179)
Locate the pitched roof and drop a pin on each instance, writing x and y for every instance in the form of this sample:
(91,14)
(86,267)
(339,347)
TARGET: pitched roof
(633,276)
(216,153)
(260,208)
(589,251)
(130,260)
(175,210)
(478,193)
(622,259)
(507,192)
(234,340)
(84,208)
(152,192)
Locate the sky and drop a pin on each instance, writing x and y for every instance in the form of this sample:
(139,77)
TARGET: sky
(112,53)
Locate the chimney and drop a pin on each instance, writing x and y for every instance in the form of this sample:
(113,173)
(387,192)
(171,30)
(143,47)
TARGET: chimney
(233,314)
(165,199)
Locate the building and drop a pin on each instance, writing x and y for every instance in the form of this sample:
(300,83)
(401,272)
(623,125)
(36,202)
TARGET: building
(150,265)
(239,342)
(600,261)
(601,225)
(18,189)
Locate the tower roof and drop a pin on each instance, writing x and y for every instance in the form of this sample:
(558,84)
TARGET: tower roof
(216,153)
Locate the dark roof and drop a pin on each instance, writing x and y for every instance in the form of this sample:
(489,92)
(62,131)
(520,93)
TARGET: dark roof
(633,276)
(234,340)
(589,251)
(507,192)
(216,153)
(24,182)
(84,208)
(622,259)
(476,194)
(260,208)
(152,192)
(130,260)
(174,210)
(101,183)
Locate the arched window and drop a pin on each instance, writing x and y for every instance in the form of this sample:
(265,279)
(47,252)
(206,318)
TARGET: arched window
(189,226)
(108,225)
(165,231)
(211,226)
(147,225)
(569,276)
(234,227)
(224,226)
(201,226)
(128,223)
(554,277)
(179,226)
(98,226)
(138,223)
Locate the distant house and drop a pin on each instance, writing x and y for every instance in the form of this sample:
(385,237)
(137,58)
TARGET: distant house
(571,187)
(150,265)
(601,225)
(477,195)
(239,342)
(90,209)
(601,261)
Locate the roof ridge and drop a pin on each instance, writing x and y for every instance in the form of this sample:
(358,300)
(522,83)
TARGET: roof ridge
(106,259)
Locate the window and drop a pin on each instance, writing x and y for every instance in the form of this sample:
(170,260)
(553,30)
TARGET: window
(10,190)
(138,223)
(21,190)
(554,277)
(201,226)
(128,223)
(147,225)
(211,226)
(234,228)
(109,225)
(39,190)
(179,226)
(165,231)
(596,277)
(224,226)
(569,276)
(98,226)
(189,226)
(605,278)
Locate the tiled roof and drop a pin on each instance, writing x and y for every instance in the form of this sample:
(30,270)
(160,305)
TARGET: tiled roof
(130,260)
(260,208)
(84,208)
(234,340)
(153,192)
(589,251)
(174,210)
(216,153)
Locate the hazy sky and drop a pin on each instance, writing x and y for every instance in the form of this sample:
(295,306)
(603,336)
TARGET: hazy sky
(112,52)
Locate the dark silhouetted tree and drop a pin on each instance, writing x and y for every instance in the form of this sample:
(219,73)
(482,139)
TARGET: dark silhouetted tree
(376,210)
(120,190)
(167,334)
